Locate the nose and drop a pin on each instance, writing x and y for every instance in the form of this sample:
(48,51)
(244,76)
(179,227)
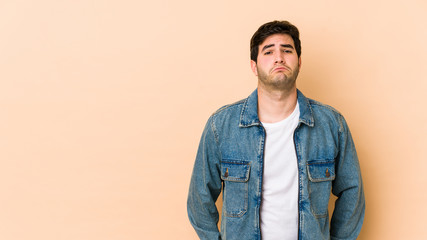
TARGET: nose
(279,58)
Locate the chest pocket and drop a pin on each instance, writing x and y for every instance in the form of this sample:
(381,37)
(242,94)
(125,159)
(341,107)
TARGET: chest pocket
(321,173)
(235,174)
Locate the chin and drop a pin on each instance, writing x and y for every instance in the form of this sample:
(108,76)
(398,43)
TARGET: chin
(284,84)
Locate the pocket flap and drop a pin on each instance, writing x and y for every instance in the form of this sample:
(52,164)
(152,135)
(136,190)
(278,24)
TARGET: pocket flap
(323,170)
(235,170)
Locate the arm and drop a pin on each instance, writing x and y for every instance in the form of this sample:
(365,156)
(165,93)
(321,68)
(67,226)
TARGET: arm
(205,186)
(349,209)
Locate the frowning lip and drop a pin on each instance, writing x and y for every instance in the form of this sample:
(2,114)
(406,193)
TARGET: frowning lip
(280,68)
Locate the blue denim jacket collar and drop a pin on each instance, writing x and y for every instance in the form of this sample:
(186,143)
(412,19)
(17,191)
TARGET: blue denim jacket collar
(249,114)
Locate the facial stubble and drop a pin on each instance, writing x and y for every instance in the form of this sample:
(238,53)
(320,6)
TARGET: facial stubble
(278,80)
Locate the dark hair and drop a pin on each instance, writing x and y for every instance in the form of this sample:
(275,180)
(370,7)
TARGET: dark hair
(270,28)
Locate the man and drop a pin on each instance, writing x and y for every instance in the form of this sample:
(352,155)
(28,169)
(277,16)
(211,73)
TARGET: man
(277,156)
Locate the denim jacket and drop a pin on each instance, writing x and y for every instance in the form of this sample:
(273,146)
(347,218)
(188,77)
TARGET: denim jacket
(230,158)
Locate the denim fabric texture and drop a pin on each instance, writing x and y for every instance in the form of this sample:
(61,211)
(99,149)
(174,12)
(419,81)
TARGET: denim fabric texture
(230,159)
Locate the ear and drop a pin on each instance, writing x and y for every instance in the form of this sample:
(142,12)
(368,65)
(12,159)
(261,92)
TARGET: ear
(253,67)
(299,63)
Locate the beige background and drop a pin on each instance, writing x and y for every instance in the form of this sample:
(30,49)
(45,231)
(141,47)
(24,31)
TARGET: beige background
(102,104)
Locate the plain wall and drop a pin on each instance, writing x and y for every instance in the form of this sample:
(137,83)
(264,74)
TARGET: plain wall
(102,104)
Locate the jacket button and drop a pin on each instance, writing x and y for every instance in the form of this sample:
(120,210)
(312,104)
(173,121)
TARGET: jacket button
(327,173)
(226,172)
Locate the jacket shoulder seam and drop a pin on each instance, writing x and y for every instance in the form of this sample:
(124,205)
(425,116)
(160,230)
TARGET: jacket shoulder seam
(314,102)
(213,118)
(339,116)
(223,108)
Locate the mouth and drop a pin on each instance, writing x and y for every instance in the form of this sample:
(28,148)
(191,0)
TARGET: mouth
(280,69)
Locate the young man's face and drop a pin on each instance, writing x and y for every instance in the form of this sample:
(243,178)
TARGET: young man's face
(278,64)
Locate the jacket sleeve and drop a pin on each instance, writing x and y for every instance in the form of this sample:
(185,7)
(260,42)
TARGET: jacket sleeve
(349,211)
(205,186)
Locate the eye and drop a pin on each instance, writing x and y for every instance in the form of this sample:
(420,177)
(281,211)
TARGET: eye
(267,53)
(287,51)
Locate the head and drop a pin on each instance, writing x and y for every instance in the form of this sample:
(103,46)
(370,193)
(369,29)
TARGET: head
(271,28)
(275,56)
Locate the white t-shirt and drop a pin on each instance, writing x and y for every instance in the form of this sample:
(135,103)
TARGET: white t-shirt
(279,205)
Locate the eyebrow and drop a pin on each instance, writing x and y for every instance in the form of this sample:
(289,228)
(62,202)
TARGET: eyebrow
(272,45)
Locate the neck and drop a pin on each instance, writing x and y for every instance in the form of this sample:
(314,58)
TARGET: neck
(276,105)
